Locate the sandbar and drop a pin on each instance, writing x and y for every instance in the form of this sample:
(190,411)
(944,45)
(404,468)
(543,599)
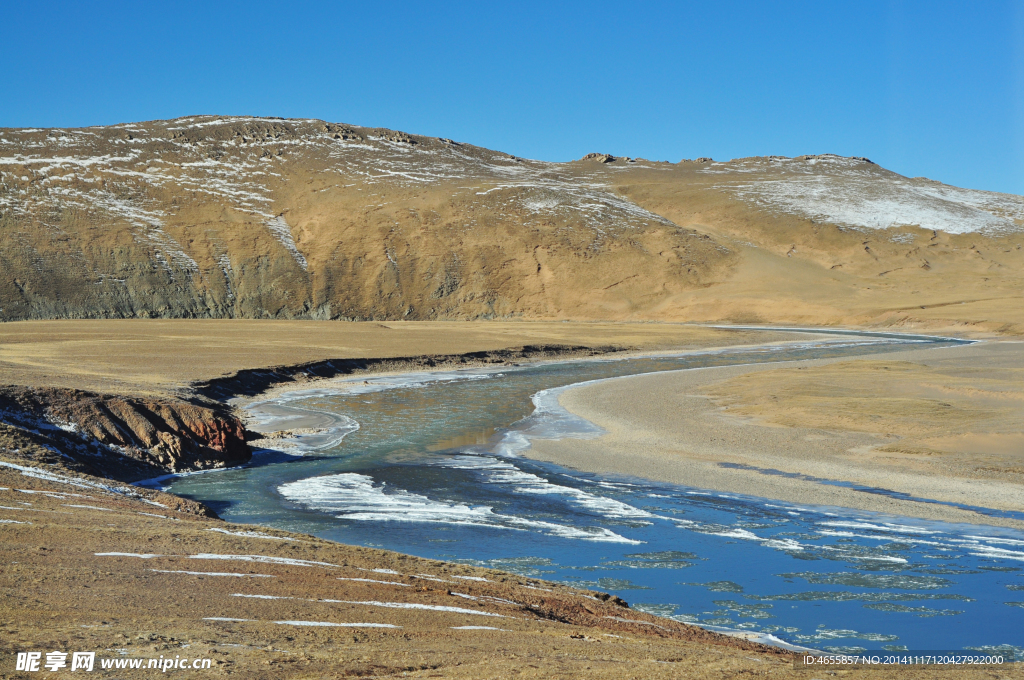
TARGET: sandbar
(725,428)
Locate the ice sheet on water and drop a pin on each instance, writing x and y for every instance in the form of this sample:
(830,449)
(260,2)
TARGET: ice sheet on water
(380,383)
(846,596)
(607,584)
(280,414)
(665,559)
(862,580)
(840,633)
(665,610)
(356,497)
(524,566)
(887,527)
(720,586)
(924,612)
(743,610)
(725,531)
(497,471)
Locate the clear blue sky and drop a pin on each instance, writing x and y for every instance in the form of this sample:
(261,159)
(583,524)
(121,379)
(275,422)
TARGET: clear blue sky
(928,88)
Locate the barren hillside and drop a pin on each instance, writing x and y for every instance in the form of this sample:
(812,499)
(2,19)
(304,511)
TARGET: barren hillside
(271,218)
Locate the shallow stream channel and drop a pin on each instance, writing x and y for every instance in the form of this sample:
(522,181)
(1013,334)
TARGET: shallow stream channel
(431,464)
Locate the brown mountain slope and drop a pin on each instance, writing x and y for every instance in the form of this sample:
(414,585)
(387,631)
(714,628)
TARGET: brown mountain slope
(272,218)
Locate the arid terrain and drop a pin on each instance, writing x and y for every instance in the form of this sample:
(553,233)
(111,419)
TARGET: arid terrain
(151,273)
(271,218)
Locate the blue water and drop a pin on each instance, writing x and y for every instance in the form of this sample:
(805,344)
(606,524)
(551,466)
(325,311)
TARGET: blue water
(433,470)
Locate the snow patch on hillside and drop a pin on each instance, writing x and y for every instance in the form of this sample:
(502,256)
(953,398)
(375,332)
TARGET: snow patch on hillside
(855,193)
(279,228)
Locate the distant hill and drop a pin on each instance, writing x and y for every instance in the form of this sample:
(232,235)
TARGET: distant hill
(270,218)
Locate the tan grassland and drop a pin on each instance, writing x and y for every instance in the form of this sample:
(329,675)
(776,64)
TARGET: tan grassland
(146,356)
(940,424)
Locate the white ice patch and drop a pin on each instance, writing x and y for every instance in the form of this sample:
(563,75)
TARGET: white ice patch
(12,521)
(250,534)
(153,514)
(38,473)
(356,497)
(413,605)
(898,528)
(777,543)
(495,471)
(998,553)
(263,597)
(211,573)
(54,494)
(266,559)
(280,229)
(380,383)
(428,577)
(375,603)
(370,580)
(337,625)
(224,618)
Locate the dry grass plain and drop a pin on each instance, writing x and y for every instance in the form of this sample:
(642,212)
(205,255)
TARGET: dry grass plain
(147,356)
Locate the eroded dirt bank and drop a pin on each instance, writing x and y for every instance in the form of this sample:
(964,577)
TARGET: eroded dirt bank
(122,438)
(130,438)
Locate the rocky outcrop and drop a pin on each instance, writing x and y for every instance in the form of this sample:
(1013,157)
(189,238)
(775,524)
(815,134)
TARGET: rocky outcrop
(599,157)
(157,435)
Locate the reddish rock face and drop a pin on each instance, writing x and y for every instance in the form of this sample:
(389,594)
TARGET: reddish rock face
(172,434)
